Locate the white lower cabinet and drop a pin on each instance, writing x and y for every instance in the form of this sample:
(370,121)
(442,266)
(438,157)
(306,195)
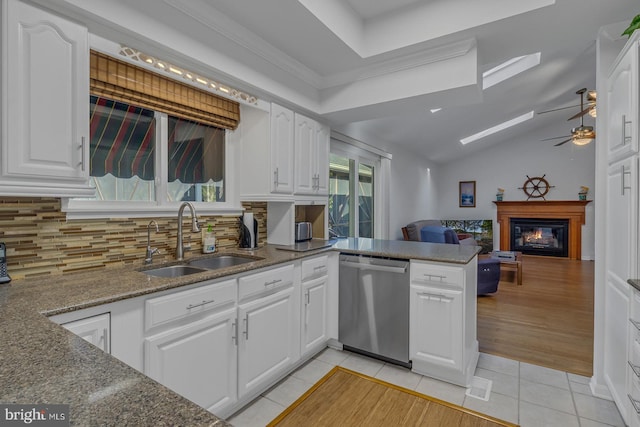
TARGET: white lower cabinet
(441,345)
(95,329)
(442,320)
(268,327)
(314,326)
(197,360)
(633,365)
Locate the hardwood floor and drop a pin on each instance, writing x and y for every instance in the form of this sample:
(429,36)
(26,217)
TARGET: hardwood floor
(548,321)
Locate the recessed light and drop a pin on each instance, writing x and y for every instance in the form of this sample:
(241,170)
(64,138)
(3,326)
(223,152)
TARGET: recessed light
(435,110)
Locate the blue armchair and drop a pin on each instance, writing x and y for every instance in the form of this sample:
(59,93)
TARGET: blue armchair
(488,268)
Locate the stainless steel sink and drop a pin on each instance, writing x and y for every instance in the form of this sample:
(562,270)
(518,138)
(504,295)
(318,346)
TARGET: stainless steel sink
(173,271)
(221,261)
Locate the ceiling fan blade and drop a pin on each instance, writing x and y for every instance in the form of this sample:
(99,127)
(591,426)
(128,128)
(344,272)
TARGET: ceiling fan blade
(555,137)
(563,142)
(558,109)
(580,114)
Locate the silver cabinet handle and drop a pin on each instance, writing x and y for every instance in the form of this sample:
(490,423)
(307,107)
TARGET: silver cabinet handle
(625,138)
(275,177)
(234,337)
(82,151)
(635,403)
(246,327)
(273,282)
(190,306)
(624,172)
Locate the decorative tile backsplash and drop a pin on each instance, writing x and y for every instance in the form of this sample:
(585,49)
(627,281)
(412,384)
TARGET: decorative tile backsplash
(41,242)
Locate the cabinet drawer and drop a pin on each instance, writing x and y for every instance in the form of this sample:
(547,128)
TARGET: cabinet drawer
(256,284)
(168,308)
(436,275)
(315,267)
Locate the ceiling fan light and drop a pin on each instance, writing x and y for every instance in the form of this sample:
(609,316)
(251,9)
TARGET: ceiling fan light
(582,140)
(592,111)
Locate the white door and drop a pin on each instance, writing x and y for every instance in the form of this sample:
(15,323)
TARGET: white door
(435,326)
(282,137)
(48,88)
(197,360)
(622,211)
(314,314)
(269,340)
(621,102)
(305,156)
(94,329)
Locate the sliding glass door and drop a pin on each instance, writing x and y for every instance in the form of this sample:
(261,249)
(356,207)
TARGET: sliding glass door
(351,195)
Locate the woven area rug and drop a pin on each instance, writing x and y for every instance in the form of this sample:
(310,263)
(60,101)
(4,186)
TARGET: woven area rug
(347,398)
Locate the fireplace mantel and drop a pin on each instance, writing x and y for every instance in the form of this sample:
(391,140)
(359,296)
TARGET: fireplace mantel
(572,210)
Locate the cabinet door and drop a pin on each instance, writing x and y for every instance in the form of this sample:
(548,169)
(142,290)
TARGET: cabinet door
(435,331)
(47,76)
(616,330)
(94,329)
(622,102)
(282,138)
(622,214)
(314,314)
(197,360)
(305,154)
(269,339)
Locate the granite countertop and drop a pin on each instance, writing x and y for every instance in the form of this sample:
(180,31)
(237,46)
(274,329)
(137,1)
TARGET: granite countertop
(41,362)
(635,283)
(439,252)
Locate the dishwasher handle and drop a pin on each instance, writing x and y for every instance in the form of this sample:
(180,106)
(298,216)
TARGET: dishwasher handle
(376,267)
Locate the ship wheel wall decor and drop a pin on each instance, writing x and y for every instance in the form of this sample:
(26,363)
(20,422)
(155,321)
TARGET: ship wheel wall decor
(536,187)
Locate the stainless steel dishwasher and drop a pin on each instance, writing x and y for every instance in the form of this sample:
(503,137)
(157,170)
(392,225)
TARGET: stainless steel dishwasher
(374,307)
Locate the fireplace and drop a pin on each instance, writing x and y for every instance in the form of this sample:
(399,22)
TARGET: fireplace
(572,211)
(538,236)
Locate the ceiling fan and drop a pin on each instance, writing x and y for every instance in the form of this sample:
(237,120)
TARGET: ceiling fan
(581,135)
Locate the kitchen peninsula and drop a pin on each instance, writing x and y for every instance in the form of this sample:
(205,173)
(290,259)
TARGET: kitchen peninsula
(43,362)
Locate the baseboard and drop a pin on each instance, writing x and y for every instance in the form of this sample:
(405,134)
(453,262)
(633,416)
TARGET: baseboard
(600,390)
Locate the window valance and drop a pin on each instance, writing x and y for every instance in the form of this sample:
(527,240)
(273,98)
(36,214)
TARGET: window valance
(124,82)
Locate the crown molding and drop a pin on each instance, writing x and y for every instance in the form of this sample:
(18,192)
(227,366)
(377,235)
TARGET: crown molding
(245,38)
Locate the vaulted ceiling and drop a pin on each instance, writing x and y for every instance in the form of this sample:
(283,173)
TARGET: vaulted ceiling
(373,69)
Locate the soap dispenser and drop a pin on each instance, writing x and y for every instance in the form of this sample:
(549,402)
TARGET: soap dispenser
(208,240)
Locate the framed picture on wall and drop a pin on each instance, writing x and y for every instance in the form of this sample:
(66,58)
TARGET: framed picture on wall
(467,197)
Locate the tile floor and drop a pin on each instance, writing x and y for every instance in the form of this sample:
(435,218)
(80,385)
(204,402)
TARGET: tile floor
(524,394)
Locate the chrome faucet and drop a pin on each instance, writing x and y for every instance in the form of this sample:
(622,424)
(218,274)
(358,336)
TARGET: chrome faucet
(150,251)
(194,228)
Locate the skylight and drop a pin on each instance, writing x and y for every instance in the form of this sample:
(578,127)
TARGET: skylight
(508,69)
(497,128)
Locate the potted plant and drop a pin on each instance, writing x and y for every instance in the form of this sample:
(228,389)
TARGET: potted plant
(582,194)
(635,24)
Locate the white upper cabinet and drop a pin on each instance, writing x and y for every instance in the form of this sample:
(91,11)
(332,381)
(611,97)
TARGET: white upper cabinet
(312,156)
(622,102)
(45,103)
(282,137)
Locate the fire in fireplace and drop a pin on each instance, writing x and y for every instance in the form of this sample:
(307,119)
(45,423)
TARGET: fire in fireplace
(536,236)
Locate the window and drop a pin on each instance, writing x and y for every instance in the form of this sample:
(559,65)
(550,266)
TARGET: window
(122,150)
(351,195)
(154,141)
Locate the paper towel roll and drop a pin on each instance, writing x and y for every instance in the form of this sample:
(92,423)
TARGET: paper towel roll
(247,220)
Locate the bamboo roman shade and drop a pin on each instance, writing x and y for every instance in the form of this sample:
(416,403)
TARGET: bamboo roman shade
(124,82)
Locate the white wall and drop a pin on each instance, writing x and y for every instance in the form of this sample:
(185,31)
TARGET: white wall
(507,165)
(412,190)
